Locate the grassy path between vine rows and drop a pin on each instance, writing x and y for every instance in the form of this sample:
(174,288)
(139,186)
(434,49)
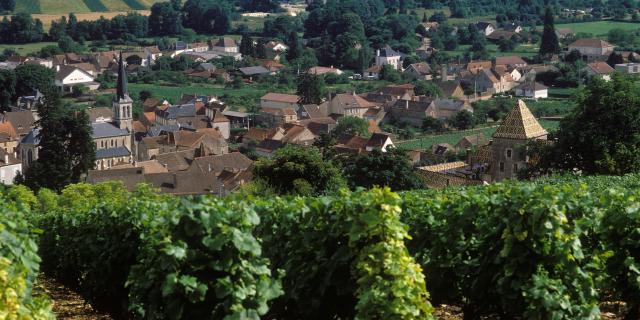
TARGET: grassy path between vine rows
(68,304)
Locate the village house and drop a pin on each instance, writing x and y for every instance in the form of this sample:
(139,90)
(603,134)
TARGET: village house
(471,142)
(324,70)
(451,89)
(415,112)
(499,35)
(349,104)
(224,45)
(511,62)
(9,138)
(68,77)
(272,117)
(599,69)
(502,158)
(563,33)
(255,71)
(532,90)
(628,68)
(274,49)
(279,101)
(10,166)
(355,144)
(486,28)
(389,56)
(592,48)
(399,91)
(372,73)
(419,71)
(205,141)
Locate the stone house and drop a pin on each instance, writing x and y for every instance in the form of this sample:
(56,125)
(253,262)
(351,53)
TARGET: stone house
(279,101)
(592,48)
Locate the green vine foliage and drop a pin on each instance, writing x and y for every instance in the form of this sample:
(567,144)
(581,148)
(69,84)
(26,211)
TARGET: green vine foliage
(142,255)
(620,236)
(511,250)
(342,257)
(553,249)
(19,265)
(210,268)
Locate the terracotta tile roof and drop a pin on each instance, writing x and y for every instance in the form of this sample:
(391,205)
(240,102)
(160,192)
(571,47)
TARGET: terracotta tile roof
(591,42)
(21,121)
(421,67)
(139,127)
(352,100)
(281,97)
(225,42)
(601,67)
(445,166)
(322,70)
(374,69)
(479,64)
(520,124)
(510,61)
(7,128)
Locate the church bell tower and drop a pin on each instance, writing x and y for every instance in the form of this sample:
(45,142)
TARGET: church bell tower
(122,103)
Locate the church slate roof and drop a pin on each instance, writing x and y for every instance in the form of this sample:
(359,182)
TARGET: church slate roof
(520,124)
(106,130)
(112,153)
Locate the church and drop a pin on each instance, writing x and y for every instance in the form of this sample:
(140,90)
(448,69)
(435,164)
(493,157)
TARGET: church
(113,139)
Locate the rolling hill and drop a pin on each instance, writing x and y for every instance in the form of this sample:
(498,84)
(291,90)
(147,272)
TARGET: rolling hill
(81,6)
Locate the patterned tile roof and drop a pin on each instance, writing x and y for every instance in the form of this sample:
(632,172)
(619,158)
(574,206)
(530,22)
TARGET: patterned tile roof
(520,124)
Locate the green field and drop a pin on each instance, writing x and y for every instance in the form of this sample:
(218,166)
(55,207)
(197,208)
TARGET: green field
(239,99)
(81,6)
(28,48)
(421,11)
(452,138)
(599,28)
(522,50)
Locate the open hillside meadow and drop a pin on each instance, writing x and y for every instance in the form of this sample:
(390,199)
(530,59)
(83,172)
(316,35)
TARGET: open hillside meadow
(81,6)
(599,28)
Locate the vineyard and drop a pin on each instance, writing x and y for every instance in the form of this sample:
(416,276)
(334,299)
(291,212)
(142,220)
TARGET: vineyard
(553,249)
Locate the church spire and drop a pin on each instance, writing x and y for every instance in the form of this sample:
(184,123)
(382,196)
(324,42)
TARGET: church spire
(123,90)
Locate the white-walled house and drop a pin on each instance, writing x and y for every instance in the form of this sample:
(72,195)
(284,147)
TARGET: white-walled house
(380,141)
(389,56)
(533,90)
(226,45)
(9,167)
(68,76)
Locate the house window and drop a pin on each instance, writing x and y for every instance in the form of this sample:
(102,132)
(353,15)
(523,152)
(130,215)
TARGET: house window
(501,166)
(515,167)
(112,142)
(509,153)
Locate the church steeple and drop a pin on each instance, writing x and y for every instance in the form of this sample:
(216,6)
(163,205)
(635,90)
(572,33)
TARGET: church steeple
(122,103)
(123,89)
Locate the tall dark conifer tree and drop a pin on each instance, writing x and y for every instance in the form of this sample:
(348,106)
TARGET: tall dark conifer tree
(67,151)
(549,44)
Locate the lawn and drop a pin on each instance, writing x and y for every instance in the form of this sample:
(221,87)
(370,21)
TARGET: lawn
(599,28)
(522,50)
(452,138)
(25,49)
(239,99)
(420,12)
